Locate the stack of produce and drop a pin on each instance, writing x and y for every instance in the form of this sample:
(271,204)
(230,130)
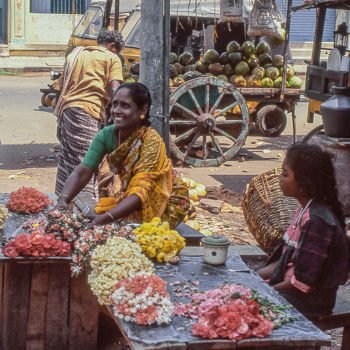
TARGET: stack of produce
(117,259)
(28,200)
(195,189)
(242,66)
(142,299)
(157,241)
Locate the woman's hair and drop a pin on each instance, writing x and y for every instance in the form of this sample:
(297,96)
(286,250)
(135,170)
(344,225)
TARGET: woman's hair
(314,175)
(106,37)
(141,96)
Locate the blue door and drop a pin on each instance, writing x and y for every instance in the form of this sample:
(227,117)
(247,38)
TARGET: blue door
(3,21)
(303,22)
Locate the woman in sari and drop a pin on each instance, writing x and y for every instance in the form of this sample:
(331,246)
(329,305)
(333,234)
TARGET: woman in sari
(136,153)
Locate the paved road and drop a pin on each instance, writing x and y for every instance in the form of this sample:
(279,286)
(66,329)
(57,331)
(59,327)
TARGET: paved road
(27,131)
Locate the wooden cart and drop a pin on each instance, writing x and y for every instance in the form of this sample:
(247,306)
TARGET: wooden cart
(210,118)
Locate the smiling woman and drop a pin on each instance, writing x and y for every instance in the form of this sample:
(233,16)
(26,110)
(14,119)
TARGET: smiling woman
(136,154)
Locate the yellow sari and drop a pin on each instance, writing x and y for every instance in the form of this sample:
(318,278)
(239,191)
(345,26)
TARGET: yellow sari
(146,171)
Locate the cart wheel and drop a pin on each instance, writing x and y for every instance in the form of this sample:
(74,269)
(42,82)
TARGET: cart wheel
(310,136)
(271,120)
(54,102)
(43,97)
(209,122)
(49,98)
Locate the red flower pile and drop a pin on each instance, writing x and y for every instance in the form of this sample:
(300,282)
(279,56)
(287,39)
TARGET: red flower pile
(36,245)
(238,319)
(28,200)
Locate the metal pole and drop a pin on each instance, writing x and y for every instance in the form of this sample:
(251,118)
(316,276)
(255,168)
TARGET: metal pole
(116,15)
(285,49)
(154,66)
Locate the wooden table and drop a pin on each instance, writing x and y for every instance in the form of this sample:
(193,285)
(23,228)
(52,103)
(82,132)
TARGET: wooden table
(300,334)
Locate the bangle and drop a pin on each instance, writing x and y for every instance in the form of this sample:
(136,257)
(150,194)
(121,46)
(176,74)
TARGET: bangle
(63,195)
(110,215)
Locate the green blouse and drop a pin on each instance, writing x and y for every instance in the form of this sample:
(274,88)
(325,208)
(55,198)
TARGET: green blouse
(102,144)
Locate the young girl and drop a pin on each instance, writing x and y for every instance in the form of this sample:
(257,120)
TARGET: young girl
(312,259)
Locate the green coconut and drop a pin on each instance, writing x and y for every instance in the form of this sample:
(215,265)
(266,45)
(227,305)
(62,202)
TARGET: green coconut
(223,59)
(242,68)
(222,77)
(233,46)
(290,71)
(253,62)
(259,72)
(278,39)
(253,81)
(228,69)
(178,81)
(215,68)
(277,61)
(179,67)
(186,58)
(262,47)
(265,58)
(295,83)
(130,80)
(238,81)
(172,57)
(248,49)
(172,70)
(188,68)
(125,71)
(272,73)
(235,58)
(267,65)
(201,66)
(211,56)
(277,83)
(267,83)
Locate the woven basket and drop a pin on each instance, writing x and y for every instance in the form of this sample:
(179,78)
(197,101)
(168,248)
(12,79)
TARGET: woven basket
(267,211)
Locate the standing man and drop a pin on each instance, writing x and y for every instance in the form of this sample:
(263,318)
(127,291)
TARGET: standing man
(90,79)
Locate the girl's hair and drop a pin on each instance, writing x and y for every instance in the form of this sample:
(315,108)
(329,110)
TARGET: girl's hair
(141,96)
(314,174)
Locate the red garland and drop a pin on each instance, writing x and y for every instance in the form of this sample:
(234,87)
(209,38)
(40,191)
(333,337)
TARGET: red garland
(28,200)
(36,245)
(238,319)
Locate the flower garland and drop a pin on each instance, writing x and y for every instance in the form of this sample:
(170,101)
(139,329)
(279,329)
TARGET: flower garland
(36,245)
(157,241)
(142,299)
(232,311)
(4,213)
(118,258)
(88,240)
(65,225)
(35,224)
(28,200)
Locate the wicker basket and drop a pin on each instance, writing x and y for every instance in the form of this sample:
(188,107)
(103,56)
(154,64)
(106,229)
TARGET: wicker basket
(267,211)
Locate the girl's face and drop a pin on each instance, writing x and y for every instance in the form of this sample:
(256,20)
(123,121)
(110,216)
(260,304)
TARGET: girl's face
(125,112)
(287,181)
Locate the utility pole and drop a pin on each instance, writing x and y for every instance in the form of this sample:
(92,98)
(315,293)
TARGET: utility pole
(154,67)
(116,15)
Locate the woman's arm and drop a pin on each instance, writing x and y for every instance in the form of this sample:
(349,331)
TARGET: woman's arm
(76,181)
(266,271)
(126,207)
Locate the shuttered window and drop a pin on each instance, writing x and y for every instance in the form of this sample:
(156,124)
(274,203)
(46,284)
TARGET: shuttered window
(59,6)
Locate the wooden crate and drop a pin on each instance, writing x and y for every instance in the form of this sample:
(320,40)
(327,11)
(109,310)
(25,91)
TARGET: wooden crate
(42,307)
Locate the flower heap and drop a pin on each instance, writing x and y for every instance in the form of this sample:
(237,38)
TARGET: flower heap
(142,299)
(118,258)
(65,225)
(157,241)
(88,240)
(36,245)
(232,311)
(28,200)
(35,224)
(3,215)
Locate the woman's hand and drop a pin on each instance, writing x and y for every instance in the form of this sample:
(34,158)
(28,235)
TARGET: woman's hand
(62,204)
(98,219)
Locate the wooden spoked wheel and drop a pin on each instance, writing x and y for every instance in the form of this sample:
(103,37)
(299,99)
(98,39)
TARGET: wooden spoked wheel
(209,122)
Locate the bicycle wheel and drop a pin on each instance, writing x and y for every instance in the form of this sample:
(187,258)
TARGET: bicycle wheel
(311,137)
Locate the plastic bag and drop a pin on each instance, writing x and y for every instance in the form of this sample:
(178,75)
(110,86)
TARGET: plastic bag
(265,19)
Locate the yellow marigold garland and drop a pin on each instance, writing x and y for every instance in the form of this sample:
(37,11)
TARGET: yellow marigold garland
(157,241)
(117,259)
